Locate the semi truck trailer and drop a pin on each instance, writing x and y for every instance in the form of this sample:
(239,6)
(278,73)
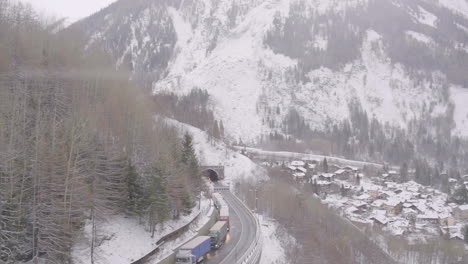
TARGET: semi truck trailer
(224,215)
(218,234)
(194,251)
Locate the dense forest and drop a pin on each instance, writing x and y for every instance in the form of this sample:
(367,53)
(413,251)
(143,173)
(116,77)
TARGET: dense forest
(78,144)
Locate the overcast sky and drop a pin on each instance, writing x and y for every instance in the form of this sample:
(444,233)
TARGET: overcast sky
(72,9)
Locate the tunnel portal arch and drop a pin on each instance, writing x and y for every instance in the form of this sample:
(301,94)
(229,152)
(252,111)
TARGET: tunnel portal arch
(214,173)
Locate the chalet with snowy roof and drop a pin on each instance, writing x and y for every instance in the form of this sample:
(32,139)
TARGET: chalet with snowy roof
(327,177)
(373,191)
(343,174)
(452,182)
(393,206)
(446,219)
(364,197)
(461,212)
(428,217)
(295,169)
(360,204)
(324,186)
(299,176)
(333,167)
(379,218)
(311,167)
(298,163)
(351,169)
(353,210)
(378,204)
(408,205)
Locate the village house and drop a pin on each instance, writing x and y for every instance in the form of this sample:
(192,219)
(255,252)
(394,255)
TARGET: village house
(324,186)
(452,183)
(353,210)
(297,163)
(393,206)
(327,177)
(446,220)
(311,167)
(351,169)
(333,167)
(299,176)
(386,178)
(379,218)
(391,176)
(342,174)
(378,204)
(428,217)
(461,212)
(373,192)
(295,169)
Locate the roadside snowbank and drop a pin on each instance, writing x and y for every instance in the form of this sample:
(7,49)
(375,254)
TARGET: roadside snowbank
(167,248)
(123,240)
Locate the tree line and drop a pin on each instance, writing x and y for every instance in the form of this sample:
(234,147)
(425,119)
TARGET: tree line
(78,144)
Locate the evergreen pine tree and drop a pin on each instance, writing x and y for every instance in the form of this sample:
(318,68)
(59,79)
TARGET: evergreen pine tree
(135,200)
(221,129)
(216,130)
(325,165)
(404,172)
(158,199)
(188,152)
(190,163)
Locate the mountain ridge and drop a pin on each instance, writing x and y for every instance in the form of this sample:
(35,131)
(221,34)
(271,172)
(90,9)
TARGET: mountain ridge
(222,47)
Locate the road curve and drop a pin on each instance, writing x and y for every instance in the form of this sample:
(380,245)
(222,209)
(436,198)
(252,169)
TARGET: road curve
(241,235)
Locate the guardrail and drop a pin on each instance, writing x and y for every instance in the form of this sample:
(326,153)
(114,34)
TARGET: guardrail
(170,258)
(254,252)
(166,237)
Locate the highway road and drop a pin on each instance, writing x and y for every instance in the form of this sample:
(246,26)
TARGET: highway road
(241,235)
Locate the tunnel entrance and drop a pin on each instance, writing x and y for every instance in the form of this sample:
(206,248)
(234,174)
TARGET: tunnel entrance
(211,174)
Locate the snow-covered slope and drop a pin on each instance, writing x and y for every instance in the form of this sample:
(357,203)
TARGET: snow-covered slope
(125,240)
(213,152)
(221,46)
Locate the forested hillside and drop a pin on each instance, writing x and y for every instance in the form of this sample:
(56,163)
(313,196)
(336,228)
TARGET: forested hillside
(78,143)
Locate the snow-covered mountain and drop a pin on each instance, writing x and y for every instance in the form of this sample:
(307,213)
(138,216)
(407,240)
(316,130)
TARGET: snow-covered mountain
(399,59)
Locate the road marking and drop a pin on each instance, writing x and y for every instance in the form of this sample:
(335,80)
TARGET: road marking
(240,233)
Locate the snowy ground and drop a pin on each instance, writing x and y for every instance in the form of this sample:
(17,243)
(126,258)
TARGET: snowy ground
(215,152)
(127,240)
(306,156)
(167,248)
(275,240)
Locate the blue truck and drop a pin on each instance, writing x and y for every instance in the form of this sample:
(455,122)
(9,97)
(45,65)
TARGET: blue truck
(194,251)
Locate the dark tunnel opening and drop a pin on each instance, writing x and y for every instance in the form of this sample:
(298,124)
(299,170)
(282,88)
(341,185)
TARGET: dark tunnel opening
(213,175)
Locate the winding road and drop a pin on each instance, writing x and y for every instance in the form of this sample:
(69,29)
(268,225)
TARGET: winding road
(241,235)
